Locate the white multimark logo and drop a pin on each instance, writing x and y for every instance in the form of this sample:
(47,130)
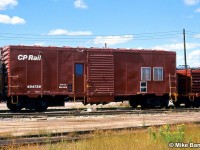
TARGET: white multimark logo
(29,57)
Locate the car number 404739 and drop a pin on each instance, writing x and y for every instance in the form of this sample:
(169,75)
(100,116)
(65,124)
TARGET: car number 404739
(33,86)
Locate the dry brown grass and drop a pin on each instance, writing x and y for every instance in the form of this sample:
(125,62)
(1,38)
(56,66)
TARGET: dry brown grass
(121,140)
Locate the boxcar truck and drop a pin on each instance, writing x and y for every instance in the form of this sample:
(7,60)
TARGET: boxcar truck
(35,77)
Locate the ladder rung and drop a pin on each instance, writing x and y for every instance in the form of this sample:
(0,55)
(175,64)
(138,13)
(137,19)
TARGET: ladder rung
(172,81)
(172,75)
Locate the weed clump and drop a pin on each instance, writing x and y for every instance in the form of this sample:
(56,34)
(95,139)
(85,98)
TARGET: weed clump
(166,134)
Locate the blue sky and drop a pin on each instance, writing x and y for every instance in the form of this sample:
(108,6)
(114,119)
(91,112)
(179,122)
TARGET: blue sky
(143,24)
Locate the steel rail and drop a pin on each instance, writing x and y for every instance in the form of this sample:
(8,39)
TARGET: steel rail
(97,112)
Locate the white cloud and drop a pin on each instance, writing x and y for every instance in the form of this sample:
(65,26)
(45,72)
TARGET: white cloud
(176,46)
(193,52)
(4,4)
(11,20)
(80,4)
(191,2)
(112,40)
(197,10)
(39,44)
(193,58)
(197,36)
(188,17)
(66,32)
(179,59)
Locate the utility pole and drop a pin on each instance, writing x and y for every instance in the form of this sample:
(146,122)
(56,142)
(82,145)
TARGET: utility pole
(185,58)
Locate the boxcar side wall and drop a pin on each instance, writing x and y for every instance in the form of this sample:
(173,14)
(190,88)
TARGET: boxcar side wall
(51,71)
(43,71)
(128,72)
(88,74)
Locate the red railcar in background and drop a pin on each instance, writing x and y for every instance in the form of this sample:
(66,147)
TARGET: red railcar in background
(35,77)
(188,87)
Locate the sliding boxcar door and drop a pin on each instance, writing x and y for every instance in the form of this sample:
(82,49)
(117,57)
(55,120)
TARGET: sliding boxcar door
(100,77)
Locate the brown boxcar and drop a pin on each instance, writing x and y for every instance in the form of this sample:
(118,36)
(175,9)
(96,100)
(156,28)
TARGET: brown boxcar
(38,77)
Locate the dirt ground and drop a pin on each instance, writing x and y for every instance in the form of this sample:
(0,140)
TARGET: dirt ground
(27,126)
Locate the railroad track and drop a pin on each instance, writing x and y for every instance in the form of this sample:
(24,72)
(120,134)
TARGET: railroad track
(57,137)
(66,136)
(44,139)
(97,112)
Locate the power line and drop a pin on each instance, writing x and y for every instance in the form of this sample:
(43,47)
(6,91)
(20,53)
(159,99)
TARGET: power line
(83,38)
(145,33)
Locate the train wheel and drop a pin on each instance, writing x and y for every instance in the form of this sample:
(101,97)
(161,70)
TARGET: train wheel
(144,104)
(197,103)
(164,103)
(177,104)
(41,105)
(151,103)
(188,103)
(133,103)
(14,107)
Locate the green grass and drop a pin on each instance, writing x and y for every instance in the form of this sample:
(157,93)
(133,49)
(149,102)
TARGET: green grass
(166,134)
(152,139)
